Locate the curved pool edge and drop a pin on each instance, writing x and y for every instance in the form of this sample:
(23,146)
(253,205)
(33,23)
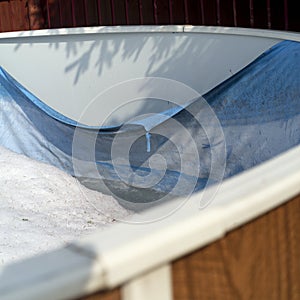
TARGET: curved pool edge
(266,33)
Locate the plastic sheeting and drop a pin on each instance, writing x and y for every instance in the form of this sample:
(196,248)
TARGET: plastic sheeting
(251,117)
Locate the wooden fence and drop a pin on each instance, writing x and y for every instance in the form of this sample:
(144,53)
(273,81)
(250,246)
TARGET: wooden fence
(37,14)
(259,260)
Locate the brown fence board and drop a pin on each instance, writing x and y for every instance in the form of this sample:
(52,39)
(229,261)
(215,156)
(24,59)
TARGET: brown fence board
(19,15)
(66,13)
(148,12)
(133,12)
(178,11)
(120,14)
(35,17)
(210,12)
(106,12)
(277,15)
(226,13)
(242,13)
(5,17)
(106,295)
(53,13)
(260,13)
(14,15)
(80,13)
(195,12)
(163,12)
(293,15)
(257,261)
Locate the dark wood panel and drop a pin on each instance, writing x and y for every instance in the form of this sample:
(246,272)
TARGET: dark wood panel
(120,13)
(91,14)
(293,15)
(36,15)
(178,11)
(260,13)
(148,12)
(105,12)
(5,17)
(66,13)
(163,16)
(19,15)
(53,10)
(260,260)
(108,295)
(242,13)
(195,12)
(14,15)
(226,13)
(80,13)
(133,12)
(210,12)
(277,14)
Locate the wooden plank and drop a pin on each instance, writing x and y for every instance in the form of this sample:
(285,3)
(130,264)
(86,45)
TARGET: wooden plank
(170,6)
(293,16)
(226,13)
(195,12)
(260,13)
(133,12)
(120,13)
(269,14)
(5,16)
(242,13)
(105,12)
(66,13)
(91,13)
(163,16)
(112,11)
(259,260)
(148,12)
(106,295)
(210,12)
(266,14)
(35,15)
(286,14)
(178,12)
(53,13)
(19,15)
(277,14)
(79,10)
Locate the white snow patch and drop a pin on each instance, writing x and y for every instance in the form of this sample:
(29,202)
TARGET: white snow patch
(42,208)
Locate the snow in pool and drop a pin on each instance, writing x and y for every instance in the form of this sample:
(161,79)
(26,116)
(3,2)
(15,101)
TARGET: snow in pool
(42,207)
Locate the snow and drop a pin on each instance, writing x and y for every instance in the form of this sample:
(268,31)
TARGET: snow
(42,208)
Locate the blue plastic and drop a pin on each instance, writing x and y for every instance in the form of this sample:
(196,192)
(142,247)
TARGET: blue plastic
(258,109)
